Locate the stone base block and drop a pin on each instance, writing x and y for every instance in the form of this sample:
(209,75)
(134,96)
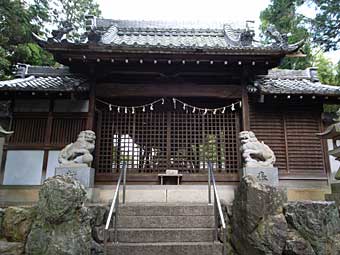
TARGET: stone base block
(266,175)
(85,175)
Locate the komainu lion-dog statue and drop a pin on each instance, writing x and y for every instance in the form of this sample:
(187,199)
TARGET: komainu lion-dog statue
(79,153)
(255,153)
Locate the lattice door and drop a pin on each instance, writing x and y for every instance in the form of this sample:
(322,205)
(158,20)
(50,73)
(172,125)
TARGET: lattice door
(153,141)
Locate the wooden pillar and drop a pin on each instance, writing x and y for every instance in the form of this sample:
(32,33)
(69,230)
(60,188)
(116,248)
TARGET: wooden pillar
(47,139)
(245,101)
(245,109)
(92,106)
(3,155)
(324,144)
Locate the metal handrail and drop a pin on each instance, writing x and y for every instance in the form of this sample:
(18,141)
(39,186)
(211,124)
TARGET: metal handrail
(218,214)
(114,208)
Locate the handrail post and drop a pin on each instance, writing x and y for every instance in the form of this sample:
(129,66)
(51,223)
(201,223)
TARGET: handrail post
(215,218)
(225,241)
(124,181)
(116,216)
(209,182)
(105,241)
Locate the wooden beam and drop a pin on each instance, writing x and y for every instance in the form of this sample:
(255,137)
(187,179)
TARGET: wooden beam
(108,90)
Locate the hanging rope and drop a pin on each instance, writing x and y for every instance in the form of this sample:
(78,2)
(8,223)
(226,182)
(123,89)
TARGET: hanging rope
(132,109)
(193,108)
(177,104)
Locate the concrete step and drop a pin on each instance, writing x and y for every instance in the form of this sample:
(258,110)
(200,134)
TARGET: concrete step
(165,209)
(186,221)
(193,248)
(156,235)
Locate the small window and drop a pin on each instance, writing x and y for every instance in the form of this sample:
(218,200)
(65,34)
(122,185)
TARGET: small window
(31,105)
(71,105)
(23,167)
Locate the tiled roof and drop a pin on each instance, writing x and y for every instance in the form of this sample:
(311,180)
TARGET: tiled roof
(168,34)
(290,82)
(173,35)
(37,79)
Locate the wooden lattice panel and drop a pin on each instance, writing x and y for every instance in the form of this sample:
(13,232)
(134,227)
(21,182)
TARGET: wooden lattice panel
(291,133)
(28,129)
(268,125)
(66,130)
(153,141)
(304,147)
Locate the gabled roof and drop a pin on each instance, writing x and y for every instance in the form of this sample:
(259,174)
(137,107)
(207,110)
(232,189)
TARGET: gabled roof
(292,82)
(44,78)
(180,36)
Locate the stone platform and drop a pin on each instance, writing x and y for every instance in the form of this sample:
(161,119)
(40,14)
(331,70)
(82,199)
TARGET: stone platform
(28,195)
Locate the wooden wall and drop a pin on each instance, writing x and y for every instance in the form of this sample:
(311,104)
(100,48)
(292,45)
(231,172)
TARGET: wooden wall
(289,129)
(40,130)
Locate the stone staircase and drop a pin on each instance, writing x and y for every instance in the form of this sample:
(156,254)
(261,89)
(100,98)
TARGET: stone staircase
(167,229)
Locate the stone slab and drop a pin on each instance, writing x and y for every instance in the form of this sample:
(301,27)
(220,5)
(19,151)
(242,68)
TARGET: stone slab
(266,175)
(85,175)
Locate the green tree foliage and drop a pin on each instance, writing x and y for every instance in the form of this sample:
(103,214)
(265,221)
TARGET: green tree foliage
(17,22)
(70,13)
(282,14)
(326,24)
(19,19)
(337,74)
(327,72)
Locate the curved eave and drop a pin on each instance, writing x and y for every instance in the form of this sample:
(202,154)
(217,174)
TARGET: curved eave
(65,45)
(293,48)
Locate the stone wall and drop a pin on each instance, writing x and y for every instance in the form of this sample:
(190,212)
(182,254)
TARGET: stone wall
(262,222)
(59,224)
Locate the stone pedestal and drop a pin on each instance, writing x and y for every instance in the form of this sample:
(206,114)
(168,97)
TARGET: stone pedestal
(85,175)
(266,175)
(335,196)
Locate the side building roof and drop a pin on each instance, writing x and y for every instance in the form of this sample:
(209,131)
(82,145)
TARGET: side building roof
(292,82)
(44,78)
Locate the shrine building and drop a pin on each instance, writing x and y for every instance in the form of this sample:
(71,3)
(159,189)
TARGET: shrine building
(164,95)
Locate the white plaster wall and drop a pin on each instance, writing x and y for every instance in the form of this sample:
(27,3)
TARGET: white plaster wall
(23,167)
